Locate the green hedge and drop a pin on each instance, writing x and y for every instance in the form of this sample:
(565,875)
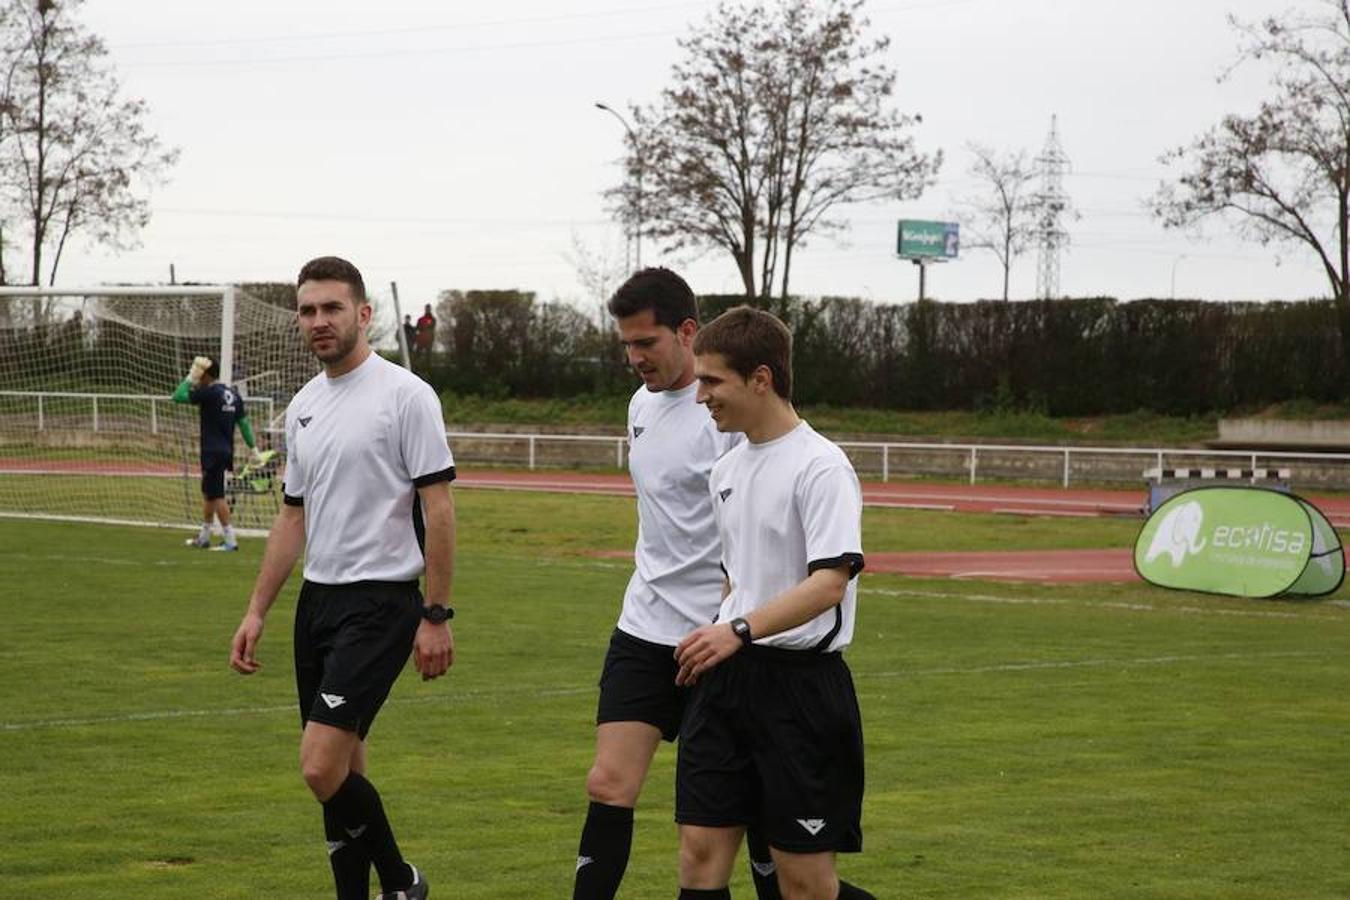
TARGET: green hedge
(1082,356)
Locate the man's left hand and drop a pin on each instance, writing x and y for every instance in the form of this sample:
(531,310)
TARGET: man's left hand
(433,649)
(704,648)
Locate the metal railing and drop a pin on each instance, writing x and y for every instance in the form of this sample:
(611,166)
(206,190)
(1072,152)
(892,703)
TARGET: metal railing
(532,442)
(1052,463)
(884,459)
(42,401)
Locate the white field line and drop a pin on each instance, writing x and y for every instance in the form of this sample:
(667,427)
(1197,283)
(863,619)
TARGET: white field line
(455,696)
(98,520)
(1011,511)
(1085,664)
(1070,502)
(1109,604)
(169,714)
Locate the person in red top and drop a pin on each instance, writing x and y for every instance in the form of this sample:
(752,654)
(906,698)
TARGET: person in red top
(425,336)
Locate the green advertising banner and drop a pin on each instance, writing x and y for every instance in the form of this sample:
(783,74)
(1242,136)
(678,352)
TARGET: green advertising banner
(918,239)
(1241,541)
(1326,568)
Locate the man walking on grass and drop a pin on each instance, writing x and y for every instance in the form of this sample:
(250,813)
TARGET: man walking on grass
(367,497)
(773,735)
(676,582)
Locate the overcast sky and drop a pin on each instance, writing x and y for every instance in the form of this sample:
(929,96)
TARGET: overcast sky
(456,144)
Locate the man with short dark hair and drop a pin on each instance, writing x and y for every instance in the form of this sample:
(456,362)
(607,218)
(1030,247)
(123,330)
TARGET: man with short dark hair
(220,408)
(367,496)
(409,335)
(676,581)
(772,735)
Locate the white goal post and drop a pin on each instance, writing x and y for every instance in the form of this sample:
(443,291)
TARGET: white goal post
(88,427)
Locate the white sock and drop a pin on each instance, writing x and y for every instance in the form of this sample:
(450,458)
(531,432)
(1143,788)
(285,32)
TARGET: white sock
(205,534)
(229,534)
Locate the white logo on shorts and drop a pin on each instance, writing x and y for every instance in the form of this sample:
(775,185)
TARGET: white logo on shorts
(583,861)
(813,826)
(333,700)
(764,869)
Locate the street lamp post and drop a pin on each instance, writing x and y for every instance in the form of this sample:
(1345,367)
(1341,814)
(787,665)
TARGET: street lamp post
(637,152)
(1175,263)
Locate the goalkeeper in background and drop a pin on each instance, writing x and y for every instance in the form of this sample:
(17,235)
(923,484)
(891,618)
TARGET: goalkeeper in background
(221,409)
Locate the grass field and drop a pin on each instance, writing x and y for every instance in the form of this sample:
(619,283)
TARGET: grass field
(1023,741)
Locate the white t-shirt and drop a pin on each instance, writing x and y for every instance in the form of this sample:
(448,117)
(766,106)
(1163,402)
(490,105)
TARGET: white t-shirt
(358,446)
(785,508)
(677,583)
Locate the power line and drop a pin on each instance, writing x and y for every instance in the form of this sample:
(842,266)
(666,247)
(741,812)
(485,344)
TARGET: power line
(624,11)
(403,51)
(467,48)
(412,29)
(347,217)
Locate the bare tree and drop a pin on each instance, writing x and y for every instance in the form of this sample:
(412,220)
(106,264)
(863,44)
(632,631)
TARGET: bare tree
(1002,217)
(600,273)
(776,114)
(76,152)
(1283,173)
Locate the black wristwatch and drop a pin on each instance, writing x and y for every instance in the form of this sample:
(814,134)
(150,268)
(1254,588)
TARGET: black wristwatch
(741,629)
(436,614)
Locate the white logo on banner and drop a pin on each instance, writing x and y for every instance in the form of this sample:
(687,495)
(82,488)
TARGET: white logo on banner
(1178,534)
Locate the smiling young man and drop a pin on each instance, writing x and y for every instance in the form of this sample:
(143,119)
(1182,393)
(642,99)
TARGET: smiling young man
(367,497)
(772,735)
(676,583)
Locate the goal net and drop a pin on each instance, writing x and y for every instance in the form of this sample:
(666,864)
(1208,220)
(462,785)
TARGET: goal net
(87,427)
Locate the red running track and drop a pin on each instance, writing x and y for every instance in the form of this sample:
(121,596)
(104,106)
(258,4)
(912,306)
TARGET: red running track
(1010,565)
(987,498)
(902,495)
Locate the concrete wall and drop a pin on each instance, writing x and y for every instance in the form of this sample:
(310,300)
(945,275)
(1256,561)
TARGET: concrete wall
(1330,435)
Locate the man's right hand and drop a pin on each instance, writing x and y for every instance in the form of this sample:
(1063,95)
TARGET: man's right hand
(245,645)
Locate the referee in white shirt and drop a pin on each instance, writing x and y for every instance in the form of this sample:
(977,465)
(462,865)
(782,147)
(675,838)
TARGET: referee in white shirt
(367,496)
(772,735)
(676,584)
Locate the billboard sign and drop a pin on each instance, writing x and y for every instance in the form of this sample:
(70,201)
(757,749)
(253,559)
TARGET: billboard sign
(917,239)
(1241,541)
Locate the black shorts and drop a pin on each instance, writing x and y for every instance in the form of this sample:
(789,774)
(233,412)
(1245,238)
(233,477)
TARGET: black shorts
(351,643)
(773,737)
(214,467)
(637,684)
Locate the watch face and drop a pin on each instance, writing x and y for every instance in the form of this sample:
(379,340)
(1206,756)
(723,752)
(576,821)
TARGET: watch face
(436,614)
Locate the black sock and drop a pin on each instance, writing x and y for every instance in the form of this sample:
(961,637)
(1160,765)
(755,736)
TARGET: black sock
(602,857)
(849,892)
(359,813)
(351,866)
(762,868)
(709,894)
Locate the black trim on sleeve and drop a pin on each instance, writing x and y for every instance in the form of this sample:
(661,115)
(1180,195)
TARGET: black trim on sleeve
(824,643)
(292,501)
(433,477)
(854,561)
(725,573)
